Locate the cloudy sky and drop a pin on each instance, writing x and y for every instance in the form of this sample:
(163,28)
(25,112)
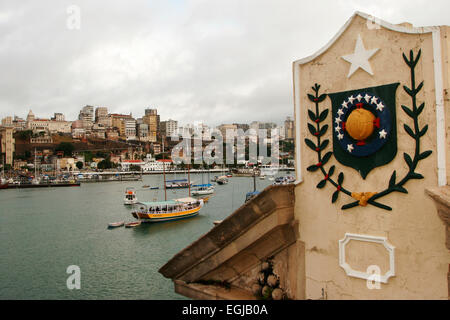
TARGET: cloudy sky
(193,60)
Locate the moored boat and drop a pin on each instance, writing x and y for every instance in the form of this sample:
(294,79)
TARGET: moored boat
(132,224)
(222,180)
(130,196)
(115,224)
(168,210)
(178,184)
(203,189)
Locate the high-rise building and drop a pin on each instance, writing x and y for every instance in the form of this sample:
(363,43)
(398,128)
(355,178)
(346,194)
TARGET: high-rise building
(58,117)
(151,118)
(168,127)
(7,144)
(142,131)
(118,122)
(102,117)
(87,116)
(289,129)
(7,121)
(130,129)
(224,128)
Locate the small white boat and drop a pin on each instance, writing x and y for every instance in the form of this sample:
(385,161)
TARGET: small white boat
(116,224)
(262,178)
(217,222)
(130,196)
(132,224)
(203,189)
(222,180)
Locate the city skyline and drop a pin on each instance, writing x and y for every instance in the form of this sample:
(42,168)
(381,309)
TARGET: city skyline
(221,60)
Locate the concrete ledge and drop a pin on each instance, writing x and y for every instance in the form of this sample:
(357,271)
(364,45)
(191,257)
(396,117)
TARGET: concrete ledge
(210,292)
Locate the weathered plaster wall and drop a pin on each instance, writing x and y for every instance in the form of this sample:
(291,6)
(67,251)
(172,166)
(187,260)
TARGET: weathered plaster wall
(413,226)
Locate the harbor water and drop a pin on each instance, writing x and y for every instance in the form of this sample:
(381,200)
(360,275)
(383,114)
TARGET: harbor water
(44,231)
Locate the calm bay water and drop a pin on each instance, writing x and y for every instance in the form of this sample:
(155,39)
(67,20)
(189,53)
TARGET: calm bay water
(43,231)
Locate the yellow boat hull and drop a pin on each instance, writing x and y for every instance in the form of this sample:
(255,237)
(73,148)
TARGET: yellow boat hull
(160,217)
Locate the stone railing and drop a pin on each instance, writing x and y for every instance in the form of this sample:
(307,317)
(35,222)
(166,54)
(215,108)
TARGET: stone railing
(259,229)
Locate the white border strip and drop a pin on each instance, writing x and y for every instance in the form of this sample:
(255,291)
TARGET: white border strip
(440,114)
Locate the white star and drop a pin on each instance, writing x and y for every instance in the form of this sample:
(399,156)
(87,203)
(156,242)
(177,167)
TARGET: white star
(367,97)
(338,120)
(340,136)
(340,112)
(337,129)
(360,58)
(344,105)
(383,134)
(359,97)
(351,99)
(380,106)
(350,148)
(374,100)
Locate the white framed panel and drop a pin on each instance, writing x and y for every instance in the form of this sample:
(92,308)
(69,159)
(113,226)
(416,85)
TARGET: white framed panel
(366,238)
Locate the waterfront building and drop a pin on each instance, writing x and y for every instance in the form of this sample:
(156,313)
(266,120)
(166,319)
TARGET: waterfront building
(362,220)
(7,144)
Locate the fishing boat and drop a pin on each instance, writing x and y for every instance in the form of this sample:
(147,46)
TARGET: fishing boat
(168,210)
(115,224)
(132,224)
(130,196)
(203,189)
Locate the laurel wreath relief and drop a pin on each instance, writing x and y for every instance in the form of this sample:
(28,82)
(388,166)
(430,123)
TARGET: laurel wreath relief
(365,198)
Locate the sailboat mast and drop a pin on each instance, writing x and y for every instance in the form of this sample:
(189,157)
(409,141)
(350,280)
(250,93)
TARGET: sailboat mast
(189,178)
(35,167)
(164,173)
(254,180)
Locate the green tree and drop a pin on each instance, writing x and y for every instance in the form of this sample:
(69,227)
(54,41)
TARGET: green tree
(66,147)
(105,164)
(88,156)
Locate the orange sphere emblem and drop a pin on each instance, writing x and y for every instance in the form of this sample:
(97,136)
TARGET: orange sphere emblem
(360,124)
